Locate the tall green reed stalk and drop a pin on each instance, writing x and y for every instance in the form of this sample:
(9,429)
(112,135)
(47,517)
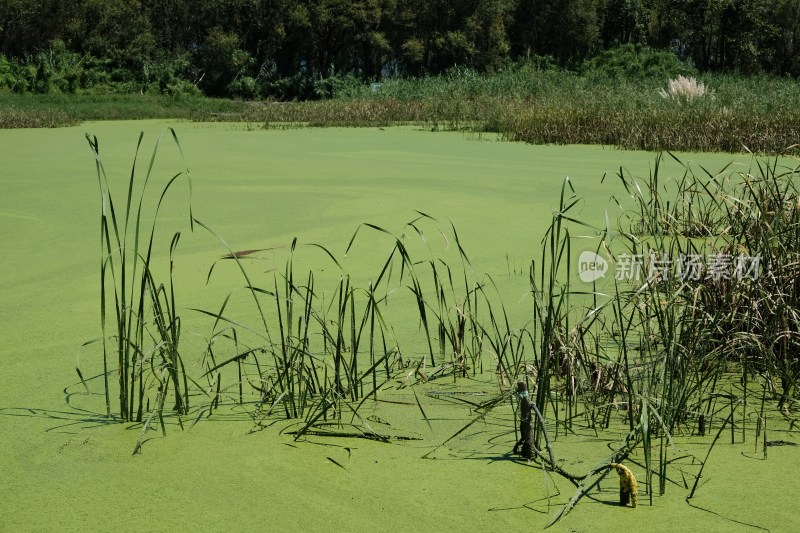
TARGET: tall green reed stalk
(131,295)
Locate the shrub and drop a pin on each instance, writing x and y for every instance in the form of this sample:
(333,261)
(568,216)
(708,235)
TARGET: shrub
(7,78)
(634,61)
(243,87)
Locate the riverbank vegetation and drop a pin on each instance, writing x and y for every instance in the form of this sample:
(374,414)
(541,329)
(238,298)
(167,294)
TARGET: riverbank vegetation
(523,103)
(568,72)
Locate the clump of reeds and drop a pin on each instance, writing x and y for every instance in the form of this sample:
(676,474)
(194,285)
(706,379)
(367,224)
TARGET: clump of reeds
(735,310)
(315,357)
(148,363)
(683,89)
(662,345)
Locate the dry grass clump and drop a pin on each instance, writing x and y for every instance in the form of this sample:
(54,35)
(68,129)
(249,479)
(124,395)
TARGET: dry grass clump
(445,113)
(683,89)
(674,128)
(12,117)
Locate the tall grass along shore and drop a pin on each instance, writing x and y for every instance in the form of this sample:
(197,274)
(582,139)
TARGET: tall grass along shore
(732,114)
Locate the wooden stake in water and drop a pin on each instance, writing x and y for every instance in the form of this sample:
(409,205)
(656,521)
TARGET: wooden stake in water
(526,438)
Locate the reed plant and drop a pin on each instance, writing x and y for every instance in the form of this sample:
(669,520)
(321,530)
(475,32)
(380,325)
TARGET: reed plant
(736,311)
(314,359)
(132,297)
(683,89)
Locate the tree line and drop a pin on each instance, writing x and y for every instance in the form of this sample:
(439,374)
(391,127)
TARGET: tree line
(285,48)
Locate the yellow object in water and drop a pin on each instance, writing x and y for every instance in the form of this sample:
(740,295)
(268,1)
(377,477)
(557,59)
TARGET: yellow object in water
(628,488)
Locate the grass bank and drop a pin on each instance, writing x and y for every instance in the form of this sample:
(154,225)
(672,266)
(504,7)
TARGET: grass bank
(59,110)
(736,114)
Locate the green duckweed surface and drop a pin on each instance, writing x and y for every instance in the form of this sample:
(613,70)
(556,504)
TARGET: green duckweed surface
(65,468)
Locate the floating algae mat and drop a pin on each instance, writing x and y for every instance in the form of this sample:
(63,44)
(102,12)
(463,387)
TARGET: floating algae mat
(285,423)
